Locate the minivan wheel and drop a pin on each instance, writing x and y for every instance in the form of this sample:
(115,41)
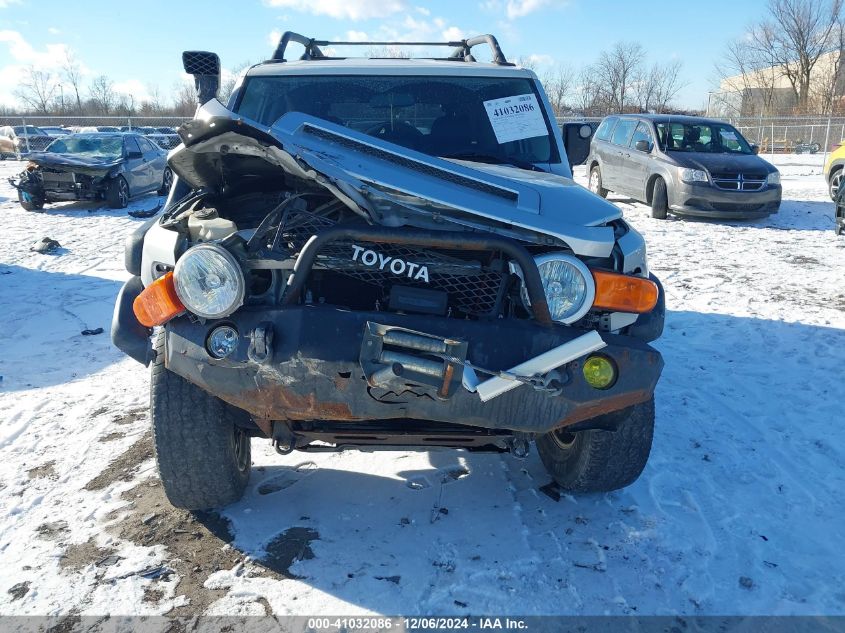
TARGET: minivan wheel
(659,200)
(595,182)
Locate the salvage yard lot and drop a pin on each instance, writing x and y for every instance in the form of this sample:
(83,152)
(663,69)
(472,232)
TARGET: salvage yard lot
(739,510)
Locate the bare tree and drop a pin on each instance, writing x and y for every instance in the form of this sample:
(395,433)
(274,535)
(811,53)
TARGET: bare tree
(228,85)
(185,99)
(102,94)
(798,33)
(749,77)
(591,97)
(618,71)
(37,89)
(659,86)
(558,83)
(72,73)
(828,79)
(384,52)
(526,61)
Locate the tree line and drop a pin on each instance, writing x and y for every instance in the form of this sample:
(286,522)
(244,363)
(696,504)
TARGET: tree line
(67,92)
(620,80)
(790,61)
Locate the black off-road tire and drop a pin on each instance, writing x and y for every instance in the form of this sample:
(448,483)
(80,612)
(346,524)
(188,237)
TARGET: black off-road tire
(659,200)
(166,182)
(203,456)
(595,182)
(600,461)
(33,204)
(117,193)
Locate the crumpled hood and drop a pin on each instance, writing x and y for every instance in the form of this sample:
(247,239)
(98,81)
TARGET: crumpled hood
(723,163)
(559,196)
(75,162)
(393,185)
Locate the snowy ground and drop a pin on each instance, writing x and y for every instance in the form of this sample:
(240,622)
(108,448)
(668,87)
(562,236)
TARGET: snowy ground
(738,512)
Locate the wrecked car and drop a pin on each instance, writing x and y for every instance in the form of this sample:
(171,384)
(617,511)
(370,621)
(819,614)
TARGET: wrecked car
(93,166)
(370,253)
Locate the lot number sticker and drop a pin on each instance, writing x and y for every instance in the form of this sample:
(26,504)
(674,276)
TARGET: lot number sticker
(515,118)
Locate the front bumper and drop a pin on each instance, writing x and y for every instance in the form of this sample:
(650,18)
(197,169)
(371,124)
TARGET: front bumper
(313,371)
(707,201)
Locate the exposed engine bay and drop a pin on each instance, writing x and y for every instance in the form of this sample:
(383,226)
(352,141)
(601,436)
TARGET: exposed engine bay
(267,198)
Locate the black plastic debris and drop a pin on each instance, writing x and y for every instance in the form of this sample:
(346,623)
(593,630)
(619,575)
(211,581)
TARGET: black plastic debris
(144,213)
(93,332)
(45,245)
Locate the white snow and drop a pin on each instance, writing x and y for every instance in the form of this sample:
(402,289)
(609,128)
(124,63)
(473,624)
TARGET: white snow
(745,479)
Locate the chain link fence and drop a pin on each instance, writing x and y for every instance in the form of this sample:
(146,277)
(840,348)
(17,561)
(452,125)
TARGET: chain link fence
(811,134)
(34,133)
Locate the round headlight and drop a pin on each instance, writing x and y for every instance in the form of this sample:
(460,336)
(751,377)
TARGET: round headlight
(568,284)
(209,281)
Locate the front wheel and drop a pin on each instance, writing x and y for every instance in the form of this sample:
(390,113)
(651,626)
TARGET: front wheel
(659,200)
(834,183)
(595,182)
(598,460)
(203,455)
(166,181)
(117,193)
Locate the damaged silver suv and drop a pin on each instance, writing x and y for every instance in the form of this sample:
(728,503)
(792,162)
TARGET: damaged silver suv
(387,253)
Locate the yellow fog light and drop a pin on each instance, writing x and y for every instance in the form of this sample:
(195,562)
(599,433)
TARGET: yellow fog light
(599,372)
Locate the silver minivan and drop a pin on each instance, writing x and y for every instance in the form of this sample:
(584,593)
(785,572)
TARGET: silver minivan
(690,166)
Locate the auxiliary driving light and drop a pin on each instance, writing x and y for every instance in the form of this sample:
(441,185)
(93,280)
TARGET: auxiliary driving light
(222,341)
(599,372)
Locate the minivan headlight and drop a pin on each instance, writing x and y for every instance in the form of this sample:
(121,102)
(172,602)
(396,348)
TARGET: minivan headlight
(568,284)
(773,178)
(693,175)
(209,281)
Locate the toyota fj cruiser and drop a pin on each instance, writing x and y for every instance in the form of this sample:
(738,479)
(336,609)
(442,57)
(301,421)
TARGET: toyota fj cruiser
(387,252)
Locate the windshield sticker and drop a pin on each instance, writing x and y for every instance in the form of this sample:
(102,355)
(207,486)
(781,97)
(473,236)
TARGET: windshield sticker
(727,135)
(515,118)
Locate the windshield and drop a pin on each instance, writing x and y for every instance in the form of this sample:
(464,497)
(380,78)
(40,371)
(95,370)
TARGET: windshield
(712,138)
(488,119)
(89,146)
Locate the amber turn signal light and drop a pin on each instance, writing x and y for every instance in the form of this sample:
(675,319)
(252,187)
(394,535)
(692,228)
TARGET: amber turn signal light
(157,303)
(624,293)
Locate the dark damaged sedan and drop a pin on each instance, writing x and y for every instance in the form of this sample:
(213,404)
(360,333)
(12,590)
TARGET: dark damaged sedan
(110,167)
(687,165)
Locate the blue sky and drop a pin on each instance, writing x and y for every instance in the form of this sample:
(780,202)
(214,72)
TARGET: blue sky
(139,44)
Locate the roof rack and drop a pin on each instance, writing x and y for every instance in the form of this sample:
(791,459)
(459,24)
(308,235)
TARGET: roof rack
(462,48)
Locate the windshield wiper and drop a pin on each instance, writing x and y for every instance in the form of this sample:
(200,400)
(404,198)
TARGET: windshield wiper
(474,157)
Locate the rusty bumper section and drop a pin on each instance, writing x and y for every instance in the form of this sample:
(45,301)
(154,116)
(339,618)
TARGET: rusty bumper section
(312,370)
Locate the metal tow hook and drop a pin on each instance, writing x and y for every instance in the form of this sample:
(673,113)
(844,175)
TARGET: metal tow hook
(261,343)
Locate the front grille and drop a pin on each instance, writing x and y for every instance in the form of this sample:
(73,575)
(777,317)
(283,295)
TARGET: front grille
(471,288)
(733,181)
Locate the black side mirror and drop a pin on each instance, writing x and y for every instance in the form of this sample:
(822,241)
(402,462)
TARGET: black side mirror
(642,146)
(576,141)
(205,67)
(755,149)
